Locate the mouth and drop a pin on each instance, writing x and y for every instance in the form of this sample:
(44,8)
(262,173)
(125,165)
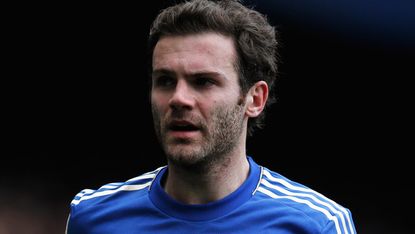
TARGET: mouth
(183,129)
(182,126)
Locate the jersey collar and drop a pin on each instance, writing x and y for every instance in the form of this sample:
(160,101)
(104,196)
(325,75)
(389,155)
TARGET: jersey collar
(209,211)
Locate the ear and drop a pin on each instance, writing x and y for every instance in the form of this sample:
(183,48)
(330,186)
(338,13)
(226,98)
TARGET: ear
(256,99)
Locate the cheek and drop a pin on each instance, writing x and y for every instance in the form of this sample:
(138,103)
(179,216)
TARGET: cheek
(159,102)
(156,107)
(214,109)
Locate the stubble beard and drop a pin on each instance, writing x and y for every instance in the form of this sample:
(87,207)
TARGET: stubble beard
(220,138)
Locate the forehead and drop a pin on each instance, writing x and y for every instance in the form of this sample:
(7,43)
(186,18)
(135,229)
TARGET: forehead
(204,49)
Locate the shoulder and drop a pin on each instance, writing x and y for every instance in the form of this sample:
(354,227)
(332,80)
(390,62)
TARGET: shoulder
(300,201)
(91,209)
(114,191)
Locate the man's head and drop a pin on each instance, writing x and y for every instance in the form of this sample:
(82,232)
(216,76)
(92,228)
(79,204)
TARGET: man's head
(199,113)
(254,39)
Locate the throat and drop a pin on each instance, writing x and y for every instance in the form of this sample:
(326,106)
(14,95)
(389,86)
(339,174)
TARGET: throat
(203,184)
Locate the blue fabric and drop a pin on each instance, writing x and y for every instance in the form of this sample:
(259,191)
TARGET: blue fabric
(265,203)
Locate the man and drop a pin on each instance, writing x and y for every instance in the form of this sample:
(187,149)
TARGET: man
(213,66)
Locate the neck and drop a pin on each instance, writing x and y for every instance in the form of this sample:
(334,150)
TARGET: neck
(214,182)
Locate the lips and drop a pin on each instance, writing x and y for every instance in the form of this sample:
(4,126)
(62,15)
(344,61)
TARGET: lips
(183,131)
(182,125)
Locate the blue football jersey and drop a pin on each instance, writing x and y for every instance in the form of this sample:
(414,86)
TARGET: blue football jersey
(265,203)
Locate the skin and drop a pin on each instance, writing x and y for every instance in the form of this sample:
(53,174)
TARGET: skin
(200,115)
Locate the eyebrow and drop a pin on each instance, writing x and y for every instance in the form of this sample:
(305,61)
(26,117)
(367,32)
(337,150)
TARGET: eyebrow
(163,71)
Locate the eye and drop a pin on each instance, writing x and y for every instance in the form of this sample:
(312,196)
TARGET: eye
(204,82)
(164,81)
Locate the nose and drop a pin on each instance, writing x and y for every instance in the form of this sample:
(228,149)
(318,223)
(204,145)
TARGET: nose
(182,97)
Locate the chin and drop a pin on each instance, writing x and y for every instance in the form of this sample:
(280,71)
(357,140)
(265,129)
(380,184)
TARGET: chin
(184,155)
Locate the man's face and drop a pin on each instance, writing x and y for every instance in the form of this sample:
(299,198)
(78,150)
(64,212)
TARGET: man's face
(198,110)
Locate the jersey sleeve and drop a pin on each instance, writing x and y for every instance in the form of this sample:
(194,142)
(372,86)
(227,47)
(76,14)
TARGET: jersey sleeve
(348,227)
